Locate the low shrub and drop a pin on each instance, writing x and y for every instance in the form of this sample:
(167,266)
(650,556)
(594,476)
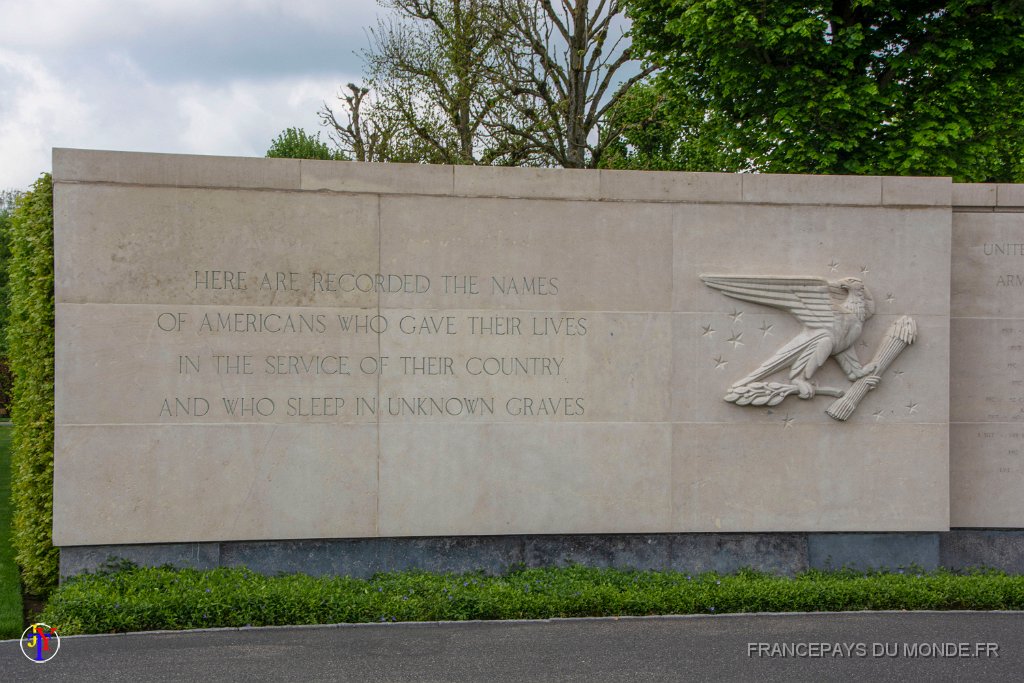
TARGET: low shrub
(130,598)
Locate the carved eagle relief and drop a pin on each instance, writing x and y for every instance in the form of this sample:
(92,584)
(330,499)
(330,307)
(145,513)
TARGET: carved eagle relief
(832,313)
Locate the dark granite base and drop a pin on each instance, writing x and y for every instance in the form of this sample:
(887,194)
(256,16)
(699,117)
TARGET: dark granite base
(777,553)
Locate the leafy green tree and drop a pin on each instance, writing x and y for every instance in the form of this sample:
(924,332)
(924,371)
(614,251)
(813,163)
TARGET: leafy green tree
(296,143)
(662,131)
(907,87)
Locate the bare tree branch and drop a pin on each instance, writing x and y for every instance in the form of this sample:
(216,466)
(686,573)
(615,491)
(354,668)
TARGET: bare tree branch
(563,73)
(490,82)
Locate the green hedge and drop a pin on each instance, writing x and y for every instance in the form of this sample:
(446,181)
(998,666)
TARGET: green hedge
(135,599)
(30,353)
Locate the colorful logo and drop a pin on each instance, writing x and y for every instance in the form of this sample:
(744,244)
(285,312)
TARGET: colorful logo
(40,643)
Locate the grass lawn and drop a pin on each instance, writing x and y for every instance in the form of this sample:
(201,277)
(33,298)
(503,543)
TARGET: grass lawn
(10,584)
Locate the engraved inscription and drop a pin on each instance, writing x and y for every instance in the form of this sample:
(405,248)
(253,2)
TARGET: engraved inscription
(1005,250)
(257,386)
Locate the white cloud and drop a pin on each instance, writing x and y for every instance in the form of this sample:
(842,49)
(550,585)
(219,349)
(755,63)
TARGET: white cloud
(238,118)
(64,24)
(258,111)
(34,107)
(189,76)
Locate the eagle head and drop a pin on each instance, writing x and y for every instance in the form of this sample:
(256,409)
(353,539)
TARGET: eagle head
(858,298)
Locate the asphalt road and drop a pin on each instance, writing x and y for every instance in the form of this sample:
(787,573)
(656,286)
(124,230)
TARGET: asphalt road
(701,648)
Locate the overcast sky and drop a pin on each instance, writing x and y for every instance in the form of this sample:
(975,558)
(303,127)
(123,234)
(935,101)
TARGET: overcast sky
(190,76)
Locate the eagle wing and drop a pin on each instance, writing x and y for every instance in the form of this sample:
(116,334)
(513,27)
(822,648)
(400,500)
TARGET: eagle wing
(803,354)
(812,300)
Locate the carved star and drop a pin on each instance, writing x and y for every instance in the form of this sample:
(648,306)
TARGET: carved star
(720,362)
(912,407)
(787,422)
(899,374)
(833,266)
(864,270)
(707,330)
(736,315)
(889,298)
(766,328)
(735,339)
(877,415)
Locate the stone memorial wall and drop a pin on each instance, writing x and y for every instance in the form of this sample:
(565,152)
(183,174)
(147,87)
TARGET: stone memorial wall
(273,350)
(987,373)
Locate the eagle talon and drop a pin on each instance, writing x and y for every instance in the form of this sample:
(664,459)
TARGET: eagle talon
(865,371)
(806,389)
